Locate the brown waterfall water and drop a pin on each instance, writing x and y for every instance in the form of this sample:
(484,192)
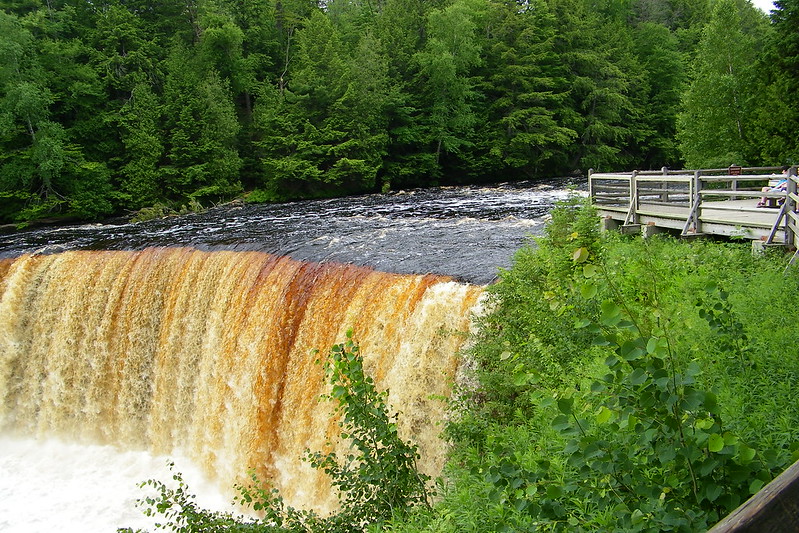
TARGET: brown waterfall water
(211,353)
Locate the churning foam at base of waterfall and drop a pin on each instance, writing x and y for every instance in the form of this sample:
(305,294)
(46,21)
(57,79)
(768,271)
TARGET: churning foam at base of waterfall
(49,485)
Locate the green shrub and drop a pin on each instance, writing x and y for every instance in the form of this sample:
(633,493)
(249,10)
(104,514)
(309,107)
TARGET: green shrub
(527,340)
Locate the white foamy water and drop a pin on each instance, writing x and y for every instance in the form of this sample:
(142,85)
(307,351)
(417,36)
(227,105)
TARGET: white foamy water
(50,486)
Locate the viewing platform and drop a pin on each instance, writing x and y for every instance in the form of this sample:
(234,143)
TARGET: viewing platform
(701,202)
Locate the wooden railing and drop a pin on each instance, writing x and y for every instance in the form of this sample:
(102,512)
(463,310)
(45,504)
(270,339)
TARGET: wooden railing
(774,509)
(714,201)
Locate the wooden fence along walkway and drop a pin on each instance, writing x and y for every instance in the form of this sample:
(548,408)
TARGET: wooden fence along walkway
(701,202)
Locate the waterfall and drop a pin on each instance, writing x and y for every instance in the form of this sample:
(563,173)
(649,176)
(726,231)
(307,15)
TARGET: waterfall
(211,354)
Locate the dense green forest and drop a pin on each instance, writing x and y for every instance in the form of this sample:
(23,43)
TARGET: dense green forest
(112,106)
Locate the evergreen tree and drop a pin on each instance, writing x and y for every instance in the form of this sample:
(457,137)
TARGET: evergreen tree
(200,147)
(166,20)
(446,85)
(256,67)
(524,92)
(601,71)
(142,136)
(362,113)
(657,50)
(777,106)
(327,133)
(402,29)
(297,139)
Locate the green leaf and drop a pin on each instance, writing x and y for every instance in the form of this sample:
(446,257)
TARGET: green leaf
(611,313)
(730,439)
(554,491)
(746,454)
(561,423)
(631,351)
(588,290)
(712,492)
(580,255)
(604,415)
(694,369)
(651,345)
(705,423)
(522,378)
(589,271)
(711,403)
(638,376)
(565,405)
(715,443)
(755,486)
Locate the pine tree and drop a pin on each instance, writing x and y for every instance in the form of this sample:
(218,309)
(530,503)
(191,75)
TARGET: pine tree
(602,73)
(326,134)
(446,85)
(140,119)
(777,105)
(657,50)
(202,158)
(524,91)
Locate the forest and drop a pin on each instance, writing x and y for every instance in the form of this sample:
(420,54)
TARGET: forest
(111,106)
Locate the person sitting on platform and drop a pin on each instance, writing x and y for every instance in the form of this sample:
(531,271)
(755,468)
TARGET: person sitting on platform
(780,186)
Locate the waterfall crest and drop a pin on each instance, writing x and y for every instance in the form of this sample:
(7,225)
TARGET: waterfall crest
(211,354)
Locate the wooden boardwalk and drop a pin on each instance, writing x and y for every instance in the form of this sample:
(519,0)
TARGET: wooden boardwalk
(700,202)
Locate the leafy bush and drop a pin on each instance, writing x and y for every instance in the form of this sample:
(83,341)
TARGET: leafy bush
(527,339)
(380,479)
(160,210)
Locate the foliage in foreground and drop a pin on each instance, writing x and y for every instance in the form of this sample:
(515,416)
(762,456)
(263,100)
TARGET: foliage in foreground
(378,480)
(625,385)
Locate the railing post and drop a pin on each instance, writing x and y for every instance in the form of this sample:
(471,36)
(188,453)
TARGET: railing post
(698,188)
(591,186)
(632,212)
(790,207)
(696,199)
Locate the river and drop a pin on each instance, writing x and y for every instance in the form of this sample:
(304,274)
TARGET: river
(464,232)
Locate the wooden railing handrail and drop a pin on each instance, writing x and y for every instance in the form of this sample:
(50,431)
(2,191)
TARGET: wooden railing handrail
(775,508)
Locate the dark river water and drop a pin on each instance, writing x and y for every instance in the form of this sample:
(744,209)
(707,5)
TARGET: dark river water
(464,232)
